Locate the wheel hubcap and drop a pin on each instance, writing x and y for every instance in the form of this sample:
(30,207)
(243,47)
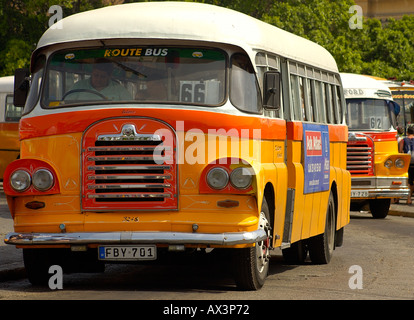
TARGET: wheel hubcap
(263,247)
(331,230)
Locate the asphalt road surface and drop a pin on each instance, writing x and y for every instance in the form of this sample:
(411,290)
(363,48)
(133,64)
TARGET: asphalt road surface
(375,263)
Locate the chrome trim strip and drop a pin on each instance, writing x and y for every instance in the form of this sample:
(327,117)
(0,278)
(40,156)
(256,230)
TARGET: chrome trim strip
(127,158)
(128,186)
(383,193)
(142,137)
(354,150)
(130,167)
(129,177)
(106,148)
(128,195)
(402,178)
(232,238)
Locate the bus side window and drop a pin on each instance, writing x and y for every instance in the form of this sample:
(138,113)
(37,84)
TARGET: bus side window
(261,65)
(13,114)
(335,106)
(328,103)
(340,103)
(320,101)
(295,96)
(302,98)
(244,88)
(298,97)
(309,98)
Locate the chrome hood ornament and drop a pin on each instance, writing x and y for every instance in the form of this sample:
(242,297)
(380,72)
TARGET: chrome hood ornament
(129,133)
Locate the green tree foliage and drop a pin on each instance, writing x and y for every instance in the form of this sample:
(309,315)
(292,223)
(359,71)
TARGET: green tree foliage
(384,50)
(22,22)
(15,55)
(322,21)
(380,49)
(387,50)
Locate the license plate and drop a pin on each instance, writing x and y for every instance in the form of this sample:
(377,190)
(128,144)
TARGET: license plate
(128,253)
(359,194)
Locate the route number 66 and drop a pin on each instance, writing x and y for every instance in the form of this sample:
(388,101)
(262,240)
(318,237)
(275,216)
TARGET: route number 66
(206,92)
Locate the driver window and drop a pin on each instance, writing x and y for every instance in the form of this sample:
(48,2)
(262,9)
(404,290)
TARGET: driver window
(244,88)
(35,84)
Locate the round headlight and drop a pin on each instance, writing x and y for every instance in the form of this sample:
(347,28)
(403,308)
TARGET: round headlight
(388,163)
(399,163)
(241,178)
(20,180)
(42,179)
(217,178)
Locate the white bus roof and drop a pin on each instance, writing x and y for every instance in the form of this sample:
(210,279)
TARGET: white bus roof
(186,21)
(7,84)
(363,86)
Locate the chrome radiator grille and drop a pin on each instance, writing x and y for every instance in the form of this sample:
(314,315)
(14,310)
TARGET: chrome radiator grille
(360,155)
(128,170)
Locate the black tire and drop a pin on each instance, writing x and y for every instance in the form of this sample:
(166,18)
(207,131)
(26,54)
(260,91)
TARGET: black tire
(37,263)
(339,237)
(251,265)
(379,208)
(297,253)
(321,246)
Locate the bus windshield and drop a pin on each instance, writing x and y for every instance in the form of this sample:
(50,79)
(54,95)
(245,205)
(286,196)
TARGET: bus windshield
(139,74)
(369,114)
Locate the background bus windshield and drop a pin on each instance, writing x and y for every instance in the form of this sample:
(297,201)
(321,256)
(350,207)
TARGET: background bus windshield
(139,74)
(369,114)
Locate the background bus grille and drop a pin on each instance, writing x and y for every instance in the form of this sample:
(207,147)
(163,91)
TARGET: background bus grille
(360,159)
(134,171)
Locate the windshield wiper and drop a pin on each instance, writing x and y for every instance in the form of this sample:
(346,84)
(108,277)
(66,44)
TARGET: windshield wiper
(126,68)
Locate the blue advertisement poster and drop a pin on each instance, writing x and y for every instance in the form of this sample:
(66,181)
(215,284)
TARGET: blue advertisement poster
(316,157)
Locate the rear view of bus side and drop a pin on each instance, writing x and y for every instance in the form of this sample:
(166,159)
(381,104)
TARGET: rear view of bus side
(378,170)
(217,131)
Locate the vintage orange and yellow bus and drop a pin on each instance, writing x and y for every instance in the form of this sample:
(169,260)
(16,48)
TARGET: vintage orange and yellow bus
(9,125)
(158,128)
(378,170)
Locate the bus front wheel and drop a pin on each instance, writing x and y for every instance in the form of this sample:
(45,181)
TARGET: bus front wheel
(251,265)
(37,263)
(379,208)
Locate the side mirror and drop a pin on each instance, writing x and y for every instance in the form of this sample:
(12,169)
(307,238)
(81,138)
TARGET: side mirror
(21,87)
(395,107)
(271,87)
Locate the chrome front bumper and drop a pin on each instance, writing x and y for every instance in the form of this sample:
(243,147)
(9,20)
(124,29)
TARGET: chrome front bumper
(85,238)
(379,187)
